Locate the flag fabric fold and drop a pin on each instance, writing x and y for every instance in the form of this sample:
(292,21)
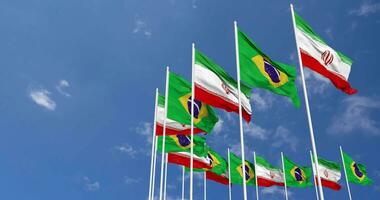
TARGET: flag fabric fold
(183,159)
(172,127)
(179,105)
(330,174)
(296,176)
(237,171)
(356,172)
(321,58)
(268,175)
(216,88)
(182,143)
(258,70)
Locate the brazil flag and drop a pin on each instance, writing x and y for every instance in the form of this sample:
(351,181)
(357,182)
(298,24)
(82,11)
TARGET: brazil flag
(179,105)
(258,70)
(217,162)
(295,175)
(356,173)
(237,171)
(182,143)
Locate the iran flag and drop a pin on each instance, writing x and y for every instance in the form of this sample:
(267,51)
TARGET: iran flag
(183,158)
(215,87)
(267,175)
(330,174)
(172,127)
(321,58)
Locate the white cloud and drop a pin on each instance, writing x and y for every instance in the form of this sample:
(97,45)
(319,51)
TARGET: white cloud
(129,180)
(255,131)
(141,27)
(41,97)
(283,137)
(275,191)
(262,100)
(146,130)
(366,8)
(315,83)
(127,149)
(355,115)
(91,185)
(62,84)
(218,126)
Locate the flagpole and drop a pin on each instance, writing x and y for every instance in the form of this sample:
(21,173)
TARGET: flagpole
(229,175)
(153,145)
(183,182)
(192,119)
(154,165)
(164,132)
(166,174)
(345,173)
(240,112)
(204,186)
(313,167)
(307,107)
(257,184)
(284,175)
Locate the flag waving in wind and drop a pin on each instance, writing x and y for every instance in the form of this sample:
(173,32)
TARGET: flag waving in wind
(216,88)
(321,58)
(356,173)
(258,70)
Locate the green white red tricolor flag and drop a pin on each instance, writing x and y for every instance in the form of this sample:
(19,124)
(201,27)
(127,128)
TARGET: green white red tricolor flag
(267,175)
(183,158)
(172,127)
(330,173)
(321,58)
(215,87)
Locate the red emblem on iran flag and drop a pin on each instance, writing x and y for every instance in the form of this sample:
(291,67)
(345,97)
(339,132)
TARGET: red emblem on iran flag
(327,57)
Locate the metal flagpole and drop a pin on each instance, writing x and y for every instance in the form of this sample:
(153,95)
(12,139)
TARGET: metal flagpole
(166,174)
(315,183)
(154,166)
(192,119)
(229,175)
(345,173)
(307,107)
(257,184)
(164,132)
(204,186)
(284,175)
(240,112)
(183,182)
(151,185)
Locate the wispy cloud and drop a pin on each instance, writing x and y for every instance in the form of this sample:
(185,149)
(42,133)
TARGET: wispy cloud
(42,98)
(62,85)
(316,83)
(329,33)
(145,129)
(256,131)
(194,4)
(273,191)
(127,149)
(130,180)
(91,185)
(355,115)
(366,8)
(142,28)
(218,126)
(262,100)
(284,137)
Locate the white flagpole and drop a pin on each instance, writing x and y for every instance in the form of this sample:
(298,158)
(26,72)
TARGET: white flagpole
(345,173)
(284,175)
(151,185)
(164,132)
(257,184)
(183,182)
(307,107)
(240,111)
(204,186)
(229,175)
(315,183)
(192,119)
(166,175)
(154,166)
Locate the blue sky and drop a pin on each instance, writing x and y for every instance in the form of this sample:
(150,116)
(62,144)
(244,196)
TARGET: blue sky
(77,88)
